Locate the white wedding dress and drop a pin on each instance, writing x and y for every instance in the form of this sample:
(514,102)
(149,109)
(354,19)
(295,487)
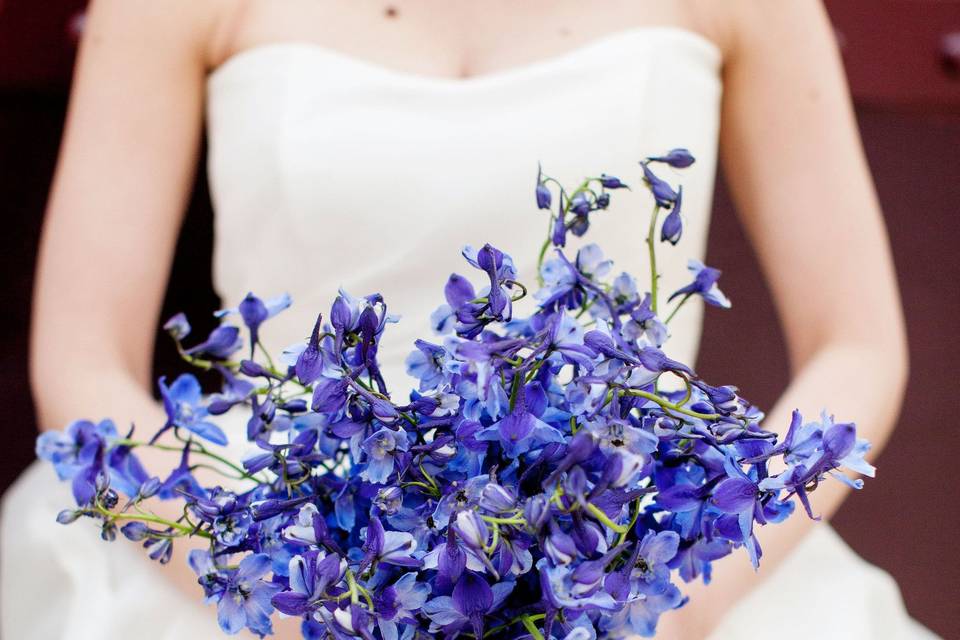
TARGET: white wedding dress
(329,171)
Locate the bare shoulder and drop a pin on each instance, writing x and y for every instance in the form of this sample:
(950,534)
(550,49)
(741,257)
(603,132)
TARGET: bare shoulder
(760,27)
(177,29)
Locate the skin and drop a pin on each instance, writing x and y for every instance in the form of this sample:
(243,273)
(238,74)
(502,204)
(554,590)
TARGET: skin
(789,147)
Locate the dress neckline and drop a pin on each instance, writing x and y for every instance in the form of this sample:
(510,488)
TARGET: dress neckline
(634,35)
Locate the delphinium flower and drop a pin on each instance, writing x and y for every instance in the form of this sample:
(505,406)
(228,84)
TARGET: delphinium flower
(243,597)
(538,482)
(704,284)
(182,403)
(255,312)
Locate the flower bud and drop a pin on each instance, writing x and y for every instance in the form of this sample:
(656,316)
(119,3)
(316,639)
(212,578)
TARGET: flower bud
(497,498)
(295,406)
(159,549)
(177,327)
(425,405)
(109,499)
(68,515)
(673,225)
(108,532)
(676,158)
(611,182)
(472,529)
(544,197)
(580,205)
(559,547)
(102,482)
(252,369)
(536,512)
(135,531)
(662,192)
(150,487)
(575,484)
(219,406)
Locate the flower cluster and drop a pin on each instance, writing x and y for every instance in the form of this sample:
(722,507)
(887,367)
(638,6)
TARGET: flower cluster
(542,479)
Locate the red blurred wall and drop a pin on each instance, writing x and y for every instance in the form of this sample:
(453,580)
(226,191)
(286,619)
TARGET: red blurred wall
(904,69)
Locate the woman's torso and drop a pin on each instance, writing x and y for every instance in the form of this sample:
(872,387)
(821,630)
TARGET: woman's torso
(369,165)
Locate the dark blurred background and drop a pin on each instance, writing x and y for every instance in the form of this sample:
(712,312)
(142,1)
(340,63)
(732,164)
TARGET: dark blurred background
(903,62)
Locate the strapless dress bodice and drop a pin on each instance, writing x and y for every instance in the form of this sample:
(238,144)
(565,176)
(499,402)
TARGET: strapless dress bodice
(328,171)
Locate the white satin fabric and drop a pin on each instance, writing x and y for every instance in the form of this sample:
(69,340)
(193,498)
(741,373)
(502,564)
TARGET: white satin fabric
(329,171)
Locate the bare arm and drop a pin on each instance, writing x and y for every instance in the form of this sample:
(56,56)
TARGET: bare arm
(126,165)
(794,162)
(125,170)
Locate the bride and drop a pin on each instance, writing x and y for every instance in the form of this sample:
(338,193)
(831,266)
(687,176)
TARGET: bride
(361,144)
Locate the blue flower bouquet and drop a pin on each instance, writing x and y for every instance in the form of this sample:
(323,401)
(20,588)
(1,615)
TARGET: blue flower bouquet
(552,476)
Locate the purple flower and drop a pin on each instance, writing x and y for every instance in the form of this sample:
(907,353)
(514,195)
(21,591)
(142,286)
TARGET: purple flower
(399,602)
(642,610)
(645,324)
(570,589)
(612,182)
(182,403)
(704,285)
(566,337)
(655,551)
(450,559)
(255,312)
(499,268)
(178,327)
(243,598)
(662,192)
(426,364)
(311,363)
(676,158)
(219,345)
(739,497)
(521,430)
(78,454)
(311,577)
(672,227)
(381,448)
(389,547)
(472,599)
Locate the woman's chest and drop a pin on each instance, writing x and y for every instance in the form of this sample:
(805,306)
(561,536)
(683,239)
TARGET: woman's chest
(449,39)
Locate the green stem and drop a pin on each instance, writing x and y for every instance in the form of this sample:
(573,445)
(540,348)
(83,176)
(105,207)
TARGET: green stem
(531,627)
(633,521)
(210,467)
(198,449)
(352,586)
(585,308)
(243,472)
(494,541)
(677,308)
(535,368)
(598,513)
(532,618)
(494,520)
(266,354)
(154,520)
(543,252)
(671,406)
(651,247)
